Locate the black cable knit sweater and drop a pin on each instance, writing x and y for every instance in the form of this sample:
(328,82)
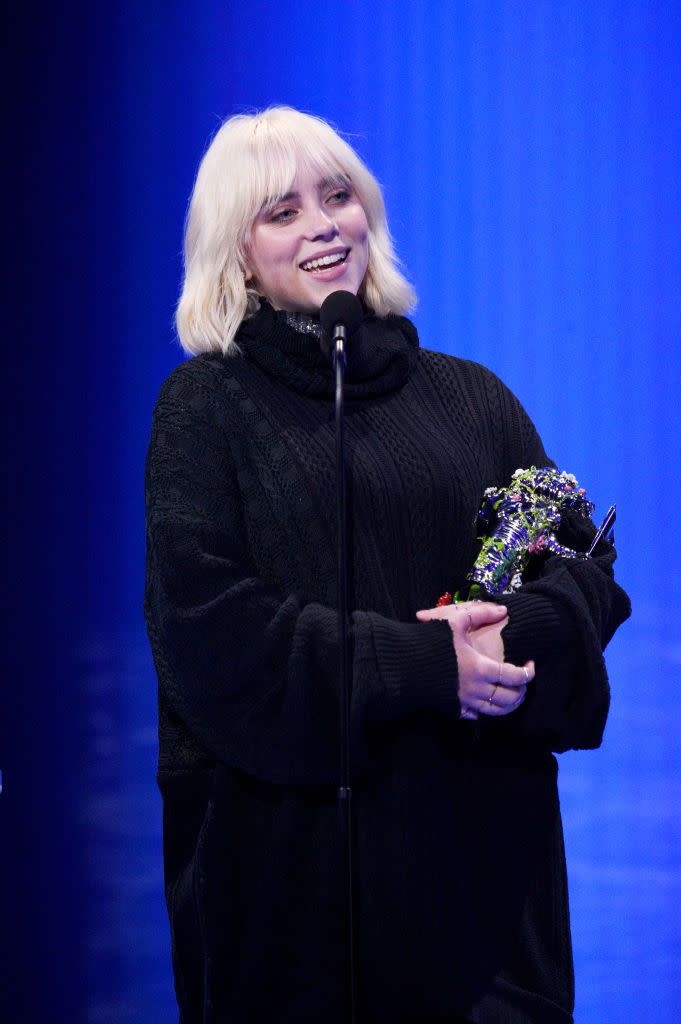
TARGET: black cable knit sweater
(461,887)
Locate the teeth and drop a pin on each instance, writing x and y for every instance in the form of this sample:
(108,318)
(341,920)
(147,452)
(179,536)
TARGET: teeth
(324,261)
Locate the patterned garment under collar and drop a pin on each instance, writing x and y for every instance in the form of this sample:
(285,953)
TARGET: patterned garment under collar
(304,324)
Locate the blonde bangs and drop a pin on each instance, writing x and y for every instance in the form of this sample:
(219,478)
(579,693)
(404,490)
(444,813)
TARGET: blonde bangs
(276,153)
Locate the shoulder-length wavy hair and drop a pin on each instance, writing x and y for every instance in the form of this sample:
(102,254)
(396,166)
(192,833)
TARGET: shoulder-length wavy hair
(253,158)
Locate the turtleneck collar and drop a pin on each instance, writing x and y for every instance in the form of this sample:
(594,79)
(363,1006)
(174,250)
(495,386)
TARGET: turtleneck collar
(381,354)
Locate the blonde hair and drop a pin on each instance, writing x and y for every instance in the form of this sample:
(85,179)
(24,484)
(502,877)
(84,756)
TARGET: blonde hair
(253,158)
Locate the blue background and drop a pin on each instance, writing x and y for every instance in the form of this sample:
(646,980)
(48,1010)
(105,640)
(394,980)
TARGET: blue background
(530,156)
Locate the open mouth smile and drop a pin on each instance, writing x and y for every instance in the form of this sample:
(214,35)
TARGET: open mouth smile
(322,263)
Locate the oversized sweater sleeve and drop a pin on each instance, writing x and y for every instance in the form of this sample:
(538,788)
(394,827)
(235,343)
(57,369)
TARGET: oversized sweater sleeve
(251,671)
(563,619)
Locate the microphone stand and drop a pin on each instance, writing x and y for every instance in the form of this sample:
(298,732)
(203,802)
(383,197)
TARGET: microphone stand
(344,790)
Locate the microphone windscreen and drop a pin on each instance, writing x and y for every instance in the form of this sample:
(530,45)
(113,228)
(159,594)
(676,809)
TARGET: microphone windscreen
(341,308)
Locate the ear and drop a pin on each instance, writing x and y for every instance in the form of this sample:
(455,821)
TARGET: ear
(248,272)
(249,275)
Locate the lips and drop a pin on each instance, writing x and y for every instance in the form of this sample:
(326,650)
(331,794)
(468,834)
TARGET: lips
(325,261)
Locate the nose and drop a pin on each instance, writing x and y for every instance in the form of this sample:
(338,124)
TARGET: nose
(320,226)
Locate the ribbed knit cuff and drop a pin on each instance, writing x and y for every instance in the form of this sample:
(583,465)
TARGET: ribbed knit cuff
(537,627)
(417,665)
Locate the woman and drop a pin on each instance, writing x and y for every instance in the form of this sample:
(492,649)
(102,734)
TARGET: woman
(461,894)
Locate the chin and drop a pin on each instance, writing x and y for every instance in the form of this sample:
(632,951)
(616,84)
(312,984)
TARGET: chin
(311,302)
(329,288)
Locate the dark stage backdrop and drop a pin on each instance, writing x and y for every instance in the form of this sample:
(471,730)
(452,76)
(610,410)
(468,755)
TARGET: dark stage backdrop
(530,157)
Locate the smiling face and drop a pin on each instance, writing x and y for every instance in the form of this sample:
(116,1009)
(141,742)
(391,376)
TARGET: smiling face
(309,243)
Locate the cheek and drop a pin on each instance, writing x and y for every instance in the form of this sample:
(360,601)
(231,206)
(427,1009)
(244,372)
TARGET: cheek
(361,234)
(360,225)
(267,257)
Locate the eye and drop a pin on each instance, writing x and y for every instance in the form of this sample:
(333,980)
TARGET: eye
(282,216)
(340,195)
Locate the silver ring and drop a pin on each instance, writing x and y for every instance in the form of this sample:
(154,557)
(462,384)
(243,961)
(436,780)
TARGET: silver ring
(470,622)
(527,675)
(490,698)
(499,679)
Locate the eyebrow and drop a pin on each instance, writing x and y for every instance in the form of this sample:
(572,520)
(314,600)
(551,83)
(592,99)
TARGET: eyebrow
(331,181)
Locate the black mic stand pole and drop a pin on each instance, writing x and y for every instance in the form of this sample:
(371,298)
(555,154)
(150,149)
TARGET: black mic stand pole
(345,790)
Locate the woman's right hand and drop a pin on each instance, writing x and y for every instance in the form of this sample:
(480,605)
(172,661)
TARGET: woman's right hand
(487,684)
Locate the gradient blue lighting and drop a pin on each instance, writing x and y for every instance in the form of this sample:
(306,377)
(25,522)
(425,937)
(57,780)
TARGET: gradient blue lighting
(530,157)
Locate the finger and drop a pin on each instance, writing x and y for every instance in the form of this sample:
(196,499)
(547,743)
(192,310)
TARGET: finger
(443,611)
(505,696)
(529,670)
(482,613)
(466,616)
(503,701)
(513,675)
(503,673)
(479,609)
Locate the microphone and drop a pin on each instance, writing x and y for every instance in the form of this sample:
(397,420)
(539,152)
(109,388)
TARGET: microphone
(340,315)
